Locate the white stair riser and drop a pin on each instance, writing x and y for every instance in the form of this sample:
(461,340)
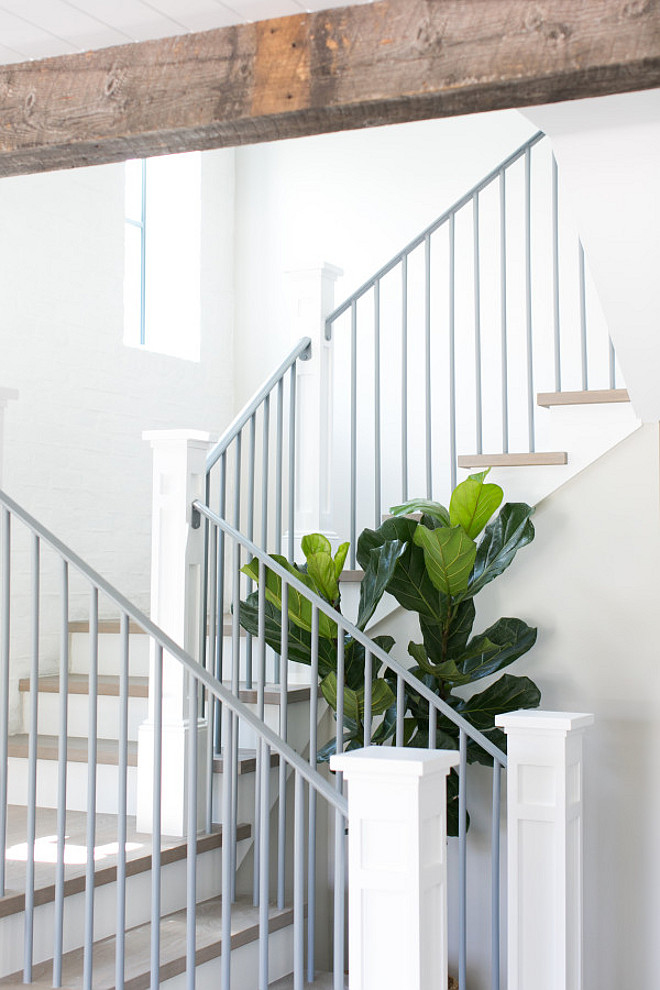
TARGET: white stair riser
(244,965)
(299,673)
(109,653)
(78,715)
(138,900)
(107,783)
(297,724)
(247,782)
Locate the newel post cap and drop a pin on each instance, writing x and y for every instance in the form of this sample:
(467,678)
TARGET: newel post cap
(392,761)
(532,720)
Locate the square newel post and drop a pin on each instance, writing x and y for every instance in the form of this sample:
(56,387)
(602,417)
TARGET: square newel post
(310,300)
(397,866)
(5,395)
(177,558)
(544,835)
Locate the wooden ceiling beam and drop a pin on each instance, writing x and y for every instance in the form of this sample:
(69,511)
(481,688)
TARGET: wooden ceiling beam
(361,66)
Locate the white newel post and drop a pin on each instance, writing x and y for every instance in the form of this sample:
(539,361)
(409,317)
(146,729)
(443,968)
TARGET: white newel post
(397,866)
(544,835)
(311,299)
(5,395)
(177,557)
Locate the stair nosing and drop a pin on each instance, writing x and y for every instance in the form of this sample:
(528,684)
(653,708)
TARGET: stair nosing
(108,685)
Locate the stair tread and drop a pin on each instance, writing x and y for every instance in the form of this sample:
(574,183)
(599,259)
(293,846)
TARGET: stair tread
(47,749)
(546,457)
(247,761)
(245,929)
(138,853)
(296,693)
(322,981)
(138,687)
(583,397)
(105,626)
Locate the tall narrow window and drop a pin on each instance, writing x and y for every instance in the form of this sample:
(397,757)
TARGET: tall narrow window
(163,254)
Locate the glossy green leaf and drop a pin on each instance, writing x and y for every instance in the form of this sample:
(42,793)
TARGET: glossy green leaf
(377,576)
(428,508)
(502,643)
(299,641)
(503,537)
(299,606)
(410,583)
(507,694)
(473,503)
(460,628)
(314,543)
(321,569)
(449,555)
(340,559)
(381,698)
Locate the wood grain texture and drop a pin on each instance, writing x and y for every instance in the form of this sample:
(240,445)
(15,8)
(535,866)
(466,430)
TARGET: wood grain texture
(364,66)
(591,397)
(108,685)
(513,460)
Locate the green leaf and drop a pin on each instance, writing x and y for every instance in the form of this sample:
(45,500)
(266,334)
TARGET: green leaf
(496,648)
(377,576)
(504,536)
(314,543)
(321,569)
(381,698)
(473,503)
(340,559)
(299,641)
(428,508)
(449,555)
(507,694)
(299,606)
(459,632)
(410,583)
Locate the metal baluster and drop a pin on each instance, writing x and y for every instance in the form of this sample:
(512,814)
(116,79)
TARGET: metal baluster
(404,378)
(284,688)
(219,646)
(339,901)
(156,818)
(400,705)
(339,737)
(122,808)
(503,316)
(462,861)
(612,363)
(433,726)
(214,631)
(555,273)
(311,848)
(235,688)
(279,441)
(368,692)
(228,723)
(427,327)
(495,892)
(191,850)
(477,324)
(5,580)
(299,884)
(378,503)
(292,462)
(261,682)
(92,729)
(583,320)
(250,533)
(264,472)
(32,766)
(528,300)
(264,867)
(353,519)
(452,350)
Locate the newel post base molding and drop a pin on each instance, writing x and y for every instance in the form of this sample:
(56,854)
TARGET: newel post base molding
(544,848)
(177,557)
(397,854)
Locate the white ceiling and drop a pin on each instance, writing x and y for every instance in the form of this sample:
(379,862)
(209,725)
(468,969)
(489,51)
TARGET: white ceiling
(33,29)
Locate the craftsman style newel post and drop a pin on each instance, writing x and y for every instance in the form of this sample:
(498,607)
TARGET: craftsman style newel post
(179,466)
(544,835)
(397,866)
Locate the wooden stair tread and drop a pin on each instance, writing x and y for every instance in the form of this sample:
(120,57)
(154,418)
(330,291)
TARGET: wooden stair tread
(247,761)
(582,398)
(136,863)
(47,748)
(138,687)
(544,457)
(272,695)
(245,929)
(105,626)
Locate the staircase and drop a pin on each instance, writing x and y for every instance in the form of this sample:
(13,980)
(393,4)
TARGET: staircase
(444,352)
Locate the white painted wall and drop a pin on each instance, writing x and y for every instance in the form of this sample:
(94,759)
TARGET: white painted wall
(74,454)
(608,151)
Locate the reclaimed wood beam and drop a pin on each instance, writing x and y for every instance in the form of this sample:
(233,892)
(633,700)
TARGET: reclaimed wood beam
(362,66)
